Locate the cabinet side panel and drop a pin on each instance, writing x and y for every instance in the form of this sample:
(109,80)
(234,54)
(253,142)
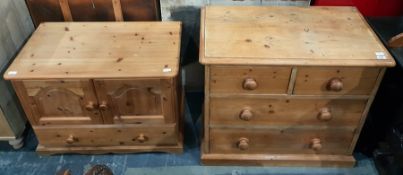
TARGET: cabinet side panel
(366,110)
(24,101)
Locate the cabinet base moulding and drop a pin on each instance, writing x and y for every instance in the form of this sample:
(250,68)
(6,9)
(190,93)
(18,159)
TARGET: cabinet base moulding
(42,150)
(278,160)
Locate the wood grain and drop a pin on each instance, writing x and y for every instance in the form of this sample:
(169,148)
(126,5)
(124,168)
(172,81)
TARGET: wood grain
(230,79)
(100,50)
(117,9)
(42,150)
(356,81)
(289,36)
(285,112)
(107,135)
(65,7)
(279,160)
(60,102)
(132,101)
(281,141)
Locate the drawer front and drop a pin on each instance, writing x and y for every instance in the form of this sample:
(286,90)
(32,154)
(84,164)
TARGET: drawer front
(335,81)
(281,141)
(285,112)
(249,79)
(108,135)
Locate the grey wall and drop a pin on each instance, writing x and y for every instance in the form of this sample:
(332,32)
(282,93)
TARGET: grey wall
(15,27)
(188,11)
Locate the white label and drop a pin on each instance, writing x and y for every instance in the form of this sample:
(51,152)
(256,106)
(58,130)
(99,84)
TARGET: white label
(12,73)
(167,70)
(380,55)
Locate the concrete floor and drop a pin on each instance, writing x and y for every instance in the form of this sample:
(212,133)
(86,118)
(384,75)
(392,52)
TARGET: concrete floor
(27,162)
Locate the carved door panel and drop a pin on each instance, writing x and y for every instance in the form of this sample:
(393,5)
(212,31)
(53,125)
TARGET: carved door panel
(59,102)
(135,101)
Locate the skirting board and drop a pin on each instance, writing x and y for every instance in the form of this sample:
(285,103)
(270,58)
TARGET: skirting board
(279,160)
(42,150)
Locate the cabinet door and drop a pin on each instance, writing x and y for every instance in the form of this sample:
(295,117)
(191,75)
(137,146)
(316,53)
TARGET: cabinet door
(59,102)
(136,101)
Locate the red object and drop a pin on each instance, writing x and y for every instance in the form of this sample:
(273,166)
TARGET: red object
(368,7)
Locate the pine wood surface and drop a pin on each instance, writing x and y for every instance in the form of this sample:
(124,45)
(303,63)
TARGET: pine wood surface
(99,50)
(289,36)
(289,86)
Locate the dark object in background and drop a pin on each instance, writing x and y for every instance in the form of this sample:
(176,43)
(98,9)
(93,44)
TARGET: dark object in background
(99,170)
(93,10)
(383,132)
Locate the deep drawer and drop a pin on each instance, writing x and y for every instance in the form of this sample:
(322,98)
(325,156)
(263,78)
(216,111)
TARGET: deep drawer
(286,112)
(281,141)
(107,135)
(249,79)
(335,81)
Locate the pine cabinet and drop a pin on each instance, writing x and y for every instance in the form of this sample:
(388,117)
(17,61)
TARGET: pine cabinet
(102,87)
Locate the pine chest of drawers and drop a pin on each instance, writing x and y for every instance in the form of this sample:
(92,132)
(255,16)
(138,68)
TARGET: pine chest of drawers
(102,87)
(287,85)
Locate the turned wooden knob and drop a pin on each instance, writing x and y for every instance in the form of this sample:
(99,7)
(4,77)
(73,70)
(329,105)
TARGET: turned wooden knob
(243,143)
(249,84)
(246,114)
(90,106)
(103,106)
(315,144)
(141,138)
(325,114)
(71,139)
(335,84)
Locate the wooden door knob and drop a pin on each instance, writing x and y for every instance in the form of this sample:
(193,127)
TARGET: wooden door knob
(90,106)
(249,84)
(325,114)
(335,84)
(246,114)
(315,144)
(71,139)
(243,143)
(142,138)
(103,106)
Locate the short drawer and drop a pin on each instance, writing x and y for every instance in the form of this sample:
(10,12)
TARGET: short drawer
(281,141)
(335,81)
(249,79)
(107,135)
(285,112)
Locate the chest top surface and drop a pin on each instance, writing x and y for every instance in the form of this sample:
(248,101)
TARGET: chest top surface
(312,36)
(99,50)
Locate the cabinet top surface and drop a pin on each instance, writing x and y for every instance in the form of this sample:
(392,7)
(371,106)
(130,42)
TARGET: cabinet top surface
(99,50)
(317,36)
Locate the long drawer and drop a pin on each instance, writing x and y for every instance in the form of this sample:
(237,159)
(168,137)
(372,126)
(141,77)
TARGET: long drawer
(335,81)
(107,135)
(285,112)
(249,79)
(281,141)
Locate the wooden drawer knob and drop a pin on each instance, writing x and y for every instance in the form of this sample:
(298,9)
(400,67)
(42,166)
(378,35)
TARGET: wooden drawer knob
(246,114)
(103,106)
(71,139)
(249,84)
(90,106)
(335,84)
(142,138)
(315,144)
(325,114)
(243,143)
